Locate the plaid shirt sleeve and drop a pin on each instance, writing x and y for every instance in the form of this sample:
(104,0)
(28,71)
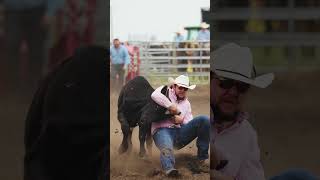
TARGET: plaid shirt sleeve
(160,99)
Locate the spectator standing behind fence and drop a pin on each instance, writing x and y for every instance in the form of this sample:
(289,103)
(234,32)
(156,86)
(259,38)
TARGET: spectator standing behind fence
(119,59)
(178,38)
(204,35)
(26,20)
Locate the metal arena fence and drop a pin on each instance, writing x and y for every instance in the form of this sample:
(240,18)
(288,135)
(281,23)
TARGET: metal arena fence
(160,60)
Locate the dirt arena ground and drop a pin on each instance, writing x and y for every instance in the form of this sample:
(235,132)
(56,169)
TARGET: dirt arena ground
(131,167)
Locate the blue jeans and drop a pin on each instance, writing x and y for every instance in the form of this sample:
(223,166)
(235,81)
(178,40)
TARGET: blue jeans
(168,139)
(295,174)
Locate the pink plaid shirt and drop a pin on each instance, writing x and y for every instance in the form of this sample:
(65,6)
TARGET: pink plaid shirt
(183,106)
(239,145)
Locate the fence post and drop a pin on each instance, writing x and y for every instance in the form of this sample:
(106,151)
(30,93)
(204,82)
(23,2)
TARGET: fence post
(174,60)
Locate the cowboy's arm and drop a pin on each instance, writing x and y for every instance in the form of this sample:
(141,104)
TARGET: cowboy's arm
(252,167)
(161,99)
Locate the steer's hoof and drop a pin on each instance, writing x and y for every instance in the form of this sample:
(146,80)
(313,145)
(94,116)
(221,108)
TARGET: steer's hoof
(144,157)
(142,154)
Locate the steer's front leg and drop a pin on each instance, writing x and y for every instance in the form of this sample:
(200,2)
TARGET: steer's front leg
(142,138)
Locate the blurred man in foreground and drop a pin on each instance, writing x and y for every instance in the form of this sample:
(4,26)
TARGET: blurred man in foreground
(233,139)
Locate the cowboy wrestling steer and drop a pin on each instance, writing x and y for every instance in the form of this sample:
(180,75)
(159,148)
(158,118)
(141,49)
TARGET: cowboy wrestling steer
(135,107)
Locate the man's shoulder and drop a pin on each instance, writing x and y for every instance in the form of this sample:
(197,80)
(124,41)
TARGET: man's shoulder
(187,101)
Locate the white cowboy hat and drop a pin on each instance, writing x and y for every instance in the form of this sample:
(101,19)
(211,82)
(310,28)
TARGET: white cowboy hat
(234,62)
(181,80)
(204,25)
(181,31)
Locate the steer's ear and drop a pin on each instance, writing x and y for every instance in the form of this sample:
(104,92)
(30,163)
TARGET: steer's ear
(164,90)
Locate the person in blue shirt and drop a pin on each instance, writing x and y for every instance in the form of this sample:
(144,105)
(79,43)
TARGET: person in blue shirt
(204,35)
(178,38)
(119,59)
